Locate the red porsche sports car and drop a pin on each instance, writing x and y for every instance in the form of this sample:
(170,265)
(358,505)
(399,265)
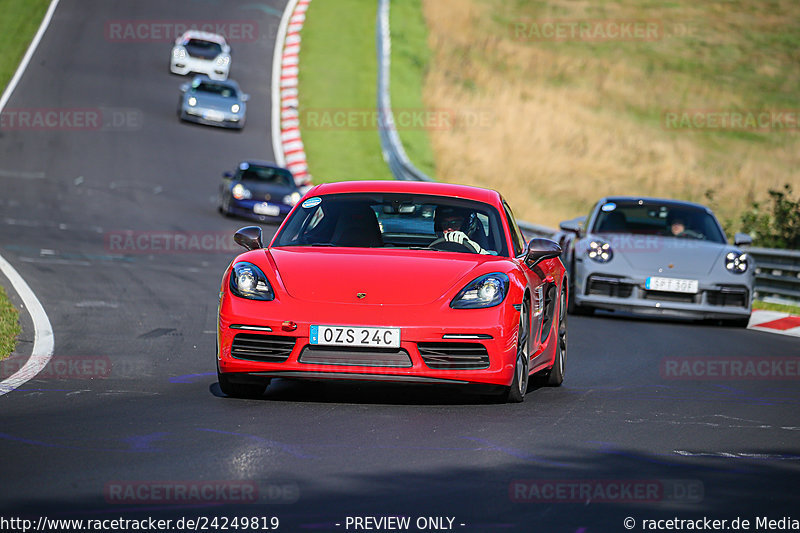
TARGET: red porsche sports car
(394,281)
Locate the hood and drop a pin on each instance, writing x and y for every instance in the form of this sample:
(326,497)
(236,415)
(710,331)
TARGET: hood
(213,101)
(649,253)
(387,277)
(267,191)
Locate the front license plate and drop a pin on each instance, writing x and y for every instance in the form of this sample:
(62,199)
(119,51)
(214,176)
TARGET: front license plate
(216,116)
(355,336)
(689,286)
(265,208)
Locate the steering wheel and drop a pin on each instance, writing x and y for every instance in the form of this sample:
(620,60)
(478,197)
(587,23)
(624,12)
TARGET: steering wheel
(444,245)
(690,233)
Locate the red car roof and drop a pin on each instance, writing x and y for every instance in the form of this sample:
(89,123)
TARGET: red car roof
(411,187)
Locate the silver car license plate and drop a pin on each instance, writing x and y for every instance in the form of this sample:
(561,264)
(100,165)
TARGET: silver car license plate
(689,286)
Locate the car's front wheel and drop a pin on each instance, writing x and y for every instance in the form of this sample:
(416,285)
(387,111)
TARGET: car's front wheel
(240,390)
(575,309)
(556,376)
(225,206)
(519,385)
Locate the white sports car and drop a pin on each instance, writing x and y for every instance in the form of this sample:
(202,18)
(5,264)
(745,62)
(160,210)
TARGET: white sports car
(202,53)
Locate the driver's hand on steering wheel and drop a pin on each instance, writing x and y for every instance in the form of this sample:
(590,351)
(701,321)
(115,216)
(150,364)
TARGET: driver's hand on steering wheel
(461,238)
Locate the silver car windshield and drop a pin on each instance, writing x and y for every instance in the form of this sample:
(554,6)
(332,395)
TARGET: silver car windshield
(651,218)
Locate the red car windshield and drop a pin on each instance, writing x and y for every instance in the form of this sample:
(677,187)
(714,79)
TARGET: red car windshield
(390,220)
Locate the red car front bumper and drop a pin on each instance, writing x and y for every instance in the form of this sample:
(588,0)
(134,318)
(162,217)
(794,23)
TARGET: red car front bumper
(442,333)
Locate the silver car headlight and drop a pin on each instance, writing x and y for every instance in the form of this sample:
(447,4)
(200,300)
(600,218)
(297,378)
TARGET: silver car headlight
(240,192)
(235,108)
(736,262)
(248,281)
(600,251)
(179,52)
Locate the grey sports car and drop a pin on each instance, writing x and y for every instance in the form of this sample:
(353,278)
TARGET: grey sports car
(213,102)
(656,257)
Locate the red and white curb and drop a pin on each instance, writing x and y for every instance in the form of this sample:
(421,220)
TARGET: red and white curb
(287,142)
(775,322)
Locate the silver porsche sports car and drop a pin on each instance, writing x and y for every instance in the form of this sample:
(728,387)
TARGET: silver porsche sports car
(213,102)
(656,257)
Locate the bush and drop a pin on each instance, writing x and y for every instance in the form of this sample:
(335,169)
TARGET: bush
(775,226)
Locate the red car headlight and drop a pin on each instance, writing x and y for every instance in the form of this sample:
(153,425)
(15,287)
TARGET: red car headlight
(248,281)
(486,291)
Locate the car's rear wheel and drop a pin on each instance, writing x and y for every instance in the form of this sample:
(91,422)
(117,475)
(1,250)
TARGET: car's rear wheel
(556,376)
(240,390)
(519,385)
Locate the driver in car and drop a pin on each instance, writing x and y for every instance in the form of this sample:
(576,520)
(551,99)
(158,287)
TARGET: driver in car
(677,226)
(452,224)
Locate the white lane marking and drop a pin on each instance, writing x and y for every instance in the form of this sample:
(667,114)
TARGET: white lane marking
(21,174)
(280,41)
(739,455)
(43,340)
(28,54)
(97,303)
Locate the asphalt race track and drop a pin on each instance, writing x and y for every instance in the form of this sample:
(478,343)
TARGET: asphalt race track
(148,411)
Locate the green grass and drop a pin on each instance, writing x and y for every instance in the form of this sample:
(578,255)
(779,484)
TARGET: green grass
(783,308)
(410,60)
(9,325)
(338,77)
(19,20)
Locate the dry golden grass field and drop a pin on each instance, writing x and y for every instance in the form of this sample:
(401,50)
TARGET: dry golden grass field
(555,122)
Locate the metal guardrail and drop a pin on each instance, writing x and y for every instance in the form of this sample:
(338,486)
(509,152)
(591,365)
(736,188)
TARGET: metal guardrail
(393,153)
(777,271)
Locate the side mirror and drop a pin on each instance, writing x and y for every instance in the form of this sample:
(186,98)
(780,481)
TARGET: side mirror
(573,226)
(742,239)
(184,87)
(245,97)
(539,250)
(249,237)
(226,49)
(227,174)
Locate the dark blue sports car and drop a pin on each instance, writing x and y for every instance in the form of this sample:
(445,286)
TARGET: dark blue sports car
(259,190)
